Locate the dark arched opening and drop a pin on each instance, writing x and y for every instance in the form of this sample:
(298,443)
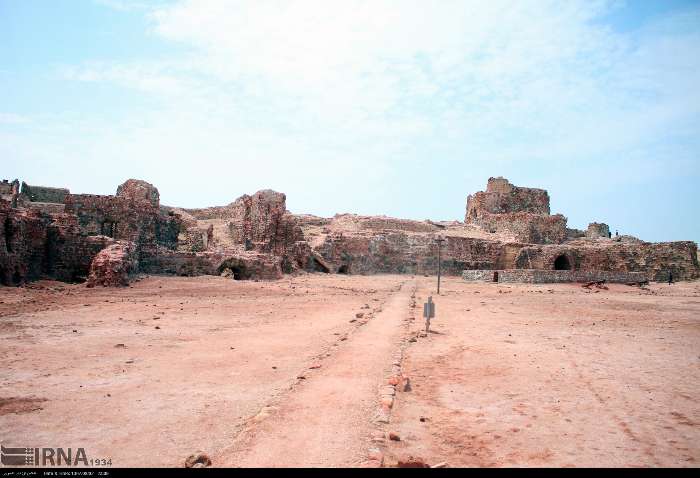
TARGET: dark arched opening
(234,269)
(495,276)
(8,234)
(316,266)
(561,263)
(3,277)
(16,277)
(343,269)
(237,273)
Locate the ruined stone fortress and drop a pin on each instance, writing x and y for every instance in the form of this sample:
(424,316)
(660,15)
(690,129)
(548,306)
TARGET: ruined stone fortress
(508,235)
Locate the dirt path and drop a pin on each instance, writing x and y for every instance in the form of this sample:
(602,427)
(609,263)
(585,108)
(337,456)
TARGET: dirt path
(171,365)
(327,420)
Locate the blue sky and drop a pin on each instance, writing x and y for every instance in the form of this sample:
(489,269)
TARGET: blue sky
(393,107)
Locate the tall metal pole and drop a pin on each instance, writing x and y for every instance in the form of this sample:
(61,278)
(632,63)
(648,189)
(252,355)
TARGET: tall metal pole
(439,241)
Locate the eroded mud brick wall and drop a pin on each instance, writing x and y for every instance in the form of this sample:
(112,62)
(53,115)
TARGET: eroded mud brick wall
(124,219)
(44,194)
(406,253)
(501,197)
(520,212)
(68,252)
(596,230)
(655,259)
(34,245)
(9,190)
(22,242)
(259,223)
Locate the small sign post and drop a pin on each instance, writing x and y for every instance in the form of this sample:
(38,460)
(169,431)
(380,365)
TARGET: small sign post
(428,313)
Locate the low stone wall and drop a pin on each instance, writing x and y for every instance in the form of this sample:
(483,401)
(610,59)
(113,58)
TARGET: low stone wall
(534,276)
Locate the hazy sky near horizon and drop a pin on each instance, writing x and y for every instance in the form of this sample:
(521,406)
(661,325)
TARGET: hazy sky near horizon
(396,107)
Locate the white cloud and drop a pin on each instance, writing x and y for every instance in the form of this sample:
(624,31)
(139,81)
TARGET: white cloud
(13,119)
(296,93)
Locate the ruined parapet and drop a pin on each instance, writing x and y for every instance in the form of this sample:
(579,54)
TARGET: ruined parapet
(501,197)
(597,230)
(9,191)
(139,191)
(44,194)
(526,227)
(125,218)
(354,222)
(516,212)
(114,265)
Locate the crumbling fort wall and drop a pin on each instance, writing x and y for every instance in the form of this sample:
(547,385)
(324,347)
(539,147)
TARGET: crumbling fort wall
(44,194)
(108,239)
(22,243)
(654,259)
(405,253)
(521,213)
(534,276)
(596,230)
(34,245)
(123,218)
(501,197)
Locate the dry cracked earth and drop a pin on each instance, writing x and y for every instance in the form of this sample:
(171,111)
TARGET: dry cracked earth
(330,371)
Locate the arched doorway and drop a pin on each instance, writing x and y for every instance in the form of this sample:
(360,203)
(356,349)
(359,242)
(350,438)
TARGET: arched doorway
(235,269)
(343,269)
(17,277)
(562,263)
(317,266)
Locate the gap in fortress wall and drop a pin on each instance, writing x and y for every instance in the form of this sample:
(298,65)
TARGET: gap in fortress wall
(108,239)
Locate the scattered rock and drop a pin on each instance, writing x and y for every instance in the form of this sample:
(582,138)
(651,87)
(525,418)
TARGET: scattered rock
(359,315)
(315,366)
(375,454)
(198,460)
(412,462)
(394,436)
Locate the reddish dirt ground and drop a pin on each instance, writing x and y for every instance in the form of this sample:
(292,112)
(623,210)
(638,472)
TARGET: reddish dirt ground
(285,373)
(554,375)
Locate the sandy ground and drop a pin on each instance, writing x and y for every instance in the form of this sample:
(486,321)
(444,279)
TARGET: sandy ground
(285,373)
(555,375)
